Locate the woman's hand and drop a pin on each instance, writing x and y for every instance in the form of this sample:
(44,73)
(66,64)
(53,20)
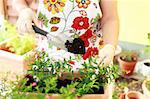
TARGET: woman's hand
(106,55)
(25,21)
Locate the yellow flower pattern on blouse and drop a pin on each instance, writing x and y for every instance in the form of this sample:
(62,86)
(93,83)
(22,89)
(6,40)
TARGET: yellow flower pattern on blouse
(83,3)
(54,6)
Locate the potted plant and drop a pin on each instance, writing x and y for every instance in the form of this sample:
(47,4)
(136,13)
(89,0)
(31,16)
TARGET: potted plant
(132,95)
(14,49)
(146,88)
(14,53)
(57,79)
(127,61)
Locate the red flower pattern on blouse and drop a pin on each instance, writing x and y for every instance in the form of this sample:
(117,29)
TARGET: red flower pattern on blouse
(88,34)
(90,52)
(87,54)
(86,42)
(80,23)
(94,51)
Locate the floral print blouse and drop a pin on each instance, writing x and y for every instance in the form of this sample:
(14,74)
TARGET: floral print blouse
(75,22)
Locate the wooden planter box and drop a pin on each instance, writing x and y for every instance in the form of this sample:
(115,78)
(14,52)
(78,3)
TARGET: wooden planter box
(107,94)
(12,64)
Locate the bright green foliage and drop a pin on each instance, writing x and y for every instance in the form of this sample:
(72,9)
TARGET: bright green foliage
(69,92)
(7,31)
(149,36)
(21,44)
(147,49)
(148,85)
(47,73)
(51,84)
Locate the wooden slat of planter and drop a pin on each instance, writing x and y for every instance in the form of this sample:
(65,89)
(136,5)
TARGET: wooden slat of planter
(13,64)
(16,62)
(10,62)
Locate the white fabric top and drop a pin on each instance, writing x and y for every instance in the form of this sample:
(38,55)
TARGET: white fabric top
(66,20)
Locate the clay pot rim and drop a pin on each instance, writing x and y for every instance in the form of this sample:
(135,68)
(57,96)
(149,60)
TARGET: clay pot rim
(135,92)
(130,62)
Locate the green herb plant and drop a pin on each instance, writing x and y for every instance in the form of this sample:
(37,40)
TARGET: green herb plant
(147,48)
(7,31)
(18,44)
(21,44)
(148,85)
(45,76)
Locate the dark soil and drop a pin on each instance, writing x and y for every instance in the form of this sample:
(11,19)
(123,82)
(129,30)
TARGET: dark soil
(63,83)
(100,91)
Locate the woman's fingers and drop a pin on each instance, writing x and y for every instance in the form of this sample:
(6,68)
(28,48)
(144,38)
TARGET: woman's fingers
(24,23)
(107,61)
(106,55)
(20,27)
(35,21)
(29,27)
(101,57)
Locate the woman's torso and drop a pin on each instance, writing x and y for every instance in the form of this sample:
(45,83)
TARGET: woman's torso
(73,22)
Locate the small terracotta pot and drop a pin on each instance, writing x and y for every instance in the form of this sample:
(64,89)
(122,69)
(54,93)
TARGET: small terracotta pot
(134,95)
(145,90)
(122,96)
(127,68)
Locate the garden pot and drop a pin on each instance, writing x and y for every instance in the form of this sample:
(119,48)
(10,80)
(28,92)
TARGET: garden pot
(12,64)
(134,95)
(127,68)
(122,96)
(143,67)
(145,89)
